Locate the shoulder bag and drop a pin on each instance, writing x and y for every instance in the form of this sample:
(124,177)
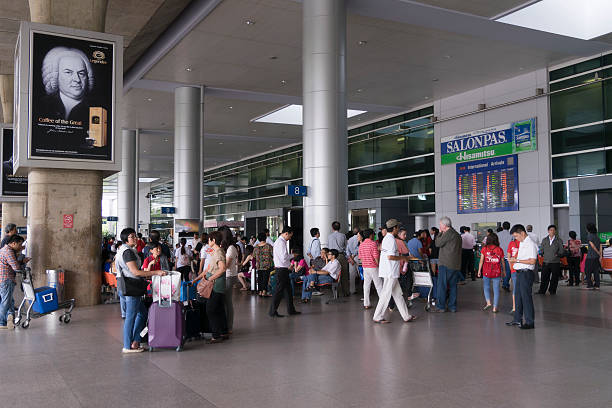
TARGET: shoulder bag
(205,288)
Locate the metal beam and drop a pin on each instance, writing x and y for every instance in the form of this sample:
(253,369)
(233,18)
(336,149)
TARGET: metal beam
(239,94)
(189,18)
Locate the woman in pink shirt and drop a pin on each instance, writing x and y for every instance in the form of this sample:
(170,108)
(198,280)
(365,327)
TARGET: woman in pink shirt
(369,256)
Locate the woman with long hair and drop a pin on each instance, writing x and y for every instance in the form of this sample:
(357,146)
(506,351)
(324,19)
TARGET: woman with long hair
(245,268)
(215,272)
(232,264)
(493,267)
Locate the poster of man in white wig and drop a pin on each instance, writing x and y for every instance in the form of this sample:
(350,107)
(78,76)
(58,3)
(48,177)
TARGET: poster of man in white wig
(72,84)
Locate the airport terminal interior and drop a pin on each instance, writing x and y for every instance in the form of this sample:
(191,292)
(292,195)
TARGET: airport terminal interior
(318,203)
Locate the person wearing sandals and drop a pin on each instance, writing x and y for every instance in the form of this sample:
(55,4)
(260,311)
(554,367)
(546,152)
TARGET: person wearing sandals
(127,262)
(215,272)
(264,254)
(389,270)
(493,267)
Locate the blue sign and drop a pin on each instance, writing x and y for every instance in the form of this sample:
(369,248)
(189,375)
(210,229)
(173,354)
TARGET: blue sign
(297,191)
(488,185)
(22,230)
(168,210)
(112,218)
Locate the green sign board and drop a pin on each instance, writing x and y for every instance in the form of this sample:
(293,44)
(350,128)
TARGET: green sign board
(605,236)
(502,140)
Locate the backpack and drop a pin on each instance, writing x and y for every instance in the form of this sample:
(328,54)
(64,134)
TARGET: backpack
(493,258)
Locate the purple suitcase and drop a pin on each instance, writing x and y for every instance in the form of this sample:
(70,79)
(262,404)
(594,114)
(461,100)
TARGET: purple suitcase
(166,324)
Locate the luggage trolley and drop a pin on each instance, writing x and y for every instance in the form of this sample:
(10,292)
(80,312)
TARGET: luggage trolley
(422,277)
(43,300)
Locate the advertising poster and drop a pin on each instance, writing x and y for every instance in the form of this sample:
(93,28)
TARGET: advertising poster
(72,85)
(12,186)
(509,138)
(489,185)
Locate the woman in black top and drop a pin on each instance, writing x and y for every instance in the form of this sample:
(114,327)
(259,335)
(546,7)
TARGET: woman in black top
(594,254)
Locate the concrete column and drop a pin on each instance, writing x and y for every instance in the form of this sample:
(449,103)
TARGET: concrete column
(420,222)
(6,97)
(127,182)
(187,155)
(82,14)
(13,212)
(53,193)
(324,130)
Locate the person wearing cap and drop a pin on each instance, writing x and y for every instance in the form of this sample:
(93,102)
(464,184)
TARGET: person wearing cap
(449,266)
(389,270)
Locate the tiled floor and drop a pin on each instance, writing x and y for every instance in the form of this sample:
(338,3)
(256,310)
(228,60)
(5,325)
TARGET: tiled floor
(330,356)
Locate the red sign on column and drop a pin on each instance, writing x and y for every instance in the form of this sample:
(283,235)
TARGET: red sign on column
(68,220)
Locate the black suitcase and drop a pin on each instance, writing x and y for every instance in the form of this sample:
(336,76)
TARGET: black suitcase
(196,321)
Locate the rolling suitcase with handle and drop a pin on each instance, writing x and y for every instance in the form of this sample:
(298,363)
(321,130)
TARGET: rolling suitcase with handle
(166,321)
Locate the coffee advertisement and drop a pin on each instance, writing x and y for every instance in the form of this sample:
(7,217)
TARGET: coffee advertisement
(72,83)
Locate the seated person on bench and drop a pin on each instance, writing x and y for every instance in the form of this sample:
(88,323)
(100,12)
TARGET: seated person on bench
(317,264)
(327,275)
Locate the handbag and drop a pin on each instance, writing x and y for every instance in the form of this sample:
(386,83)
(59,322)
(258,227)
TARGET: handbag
(136,287)
(205,288)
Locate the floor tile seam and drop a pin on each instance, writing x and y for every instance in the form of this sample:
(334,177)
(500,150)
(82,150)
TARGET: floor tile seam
(183,384)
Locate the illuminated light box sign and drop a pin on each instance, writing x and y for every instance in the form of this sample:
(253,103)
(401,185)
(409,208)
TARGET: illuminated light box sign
(502,140)
(68,86)
(489,185)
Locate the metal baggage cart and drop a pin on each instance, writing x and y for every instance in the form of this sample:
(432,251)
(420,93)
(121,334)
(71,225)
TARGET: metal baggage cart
(29,296)
(422,277)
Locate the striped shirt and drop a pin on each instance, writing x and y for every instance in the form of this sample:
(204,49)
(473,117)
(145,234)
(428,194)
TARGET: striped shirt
(8,263)
(369,254)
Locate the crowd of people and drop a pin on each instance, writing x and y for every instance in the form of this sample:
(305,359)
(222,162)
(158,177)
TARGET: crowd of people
(508,259)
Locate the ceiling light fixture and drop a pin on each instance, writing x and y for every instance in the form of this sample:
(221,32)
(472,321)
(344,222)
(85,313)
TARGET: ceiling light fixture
(165,140)
(579,19)
(188,69)
(447,56)
(249,22)
(427,97)
(220,143)
(362,42)
(283,82)
(292,115)
(148,99)
(359,90)
(435,80)
(230,107)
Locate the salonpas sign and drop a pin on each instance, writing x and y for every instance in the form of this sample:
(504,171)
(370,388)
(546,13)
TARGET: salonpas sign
(501,140)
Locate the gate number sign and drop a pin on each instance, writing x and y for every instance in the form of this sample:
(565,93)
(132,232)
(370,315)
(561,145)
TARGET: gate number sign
(299,191)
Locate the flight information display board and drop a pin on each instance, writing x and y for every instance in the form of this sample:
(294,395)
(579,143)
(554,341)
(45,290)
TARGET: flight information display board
(488,185)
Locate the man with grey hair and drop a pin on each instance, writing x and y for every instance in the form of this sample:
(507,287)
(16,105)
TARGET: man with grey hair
(68,78)
(9,230)
(449,265)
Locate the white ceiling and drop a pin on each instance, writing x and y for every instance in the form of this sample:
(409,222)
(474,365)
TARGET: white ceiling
(409,44)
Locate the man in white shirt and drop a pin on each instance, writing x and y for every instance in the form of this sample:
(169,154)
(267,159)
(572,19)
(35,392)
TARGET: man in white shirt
(329,273)
(269,240)
(352,251)
(336,240)
(389,270)
(282,263)
(467,254)
(504,240)
(314,249)
(524,265)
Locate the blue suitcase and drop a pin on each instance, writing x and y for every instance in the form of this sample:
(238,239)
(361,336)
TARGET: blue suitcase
(189,292)
(46,300)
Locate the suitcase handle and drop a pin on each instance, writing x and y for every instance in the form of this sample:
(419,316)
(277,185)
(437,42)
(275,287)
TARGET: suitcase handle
(47,297)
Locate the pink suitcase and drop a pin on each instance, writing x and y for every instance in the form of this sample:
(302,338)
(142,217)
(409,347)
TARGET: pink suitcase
(166,325)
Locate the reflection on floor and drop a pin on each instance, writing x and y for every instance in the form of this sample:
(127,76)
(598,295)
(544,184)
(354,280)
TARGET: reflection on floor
(330,356)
